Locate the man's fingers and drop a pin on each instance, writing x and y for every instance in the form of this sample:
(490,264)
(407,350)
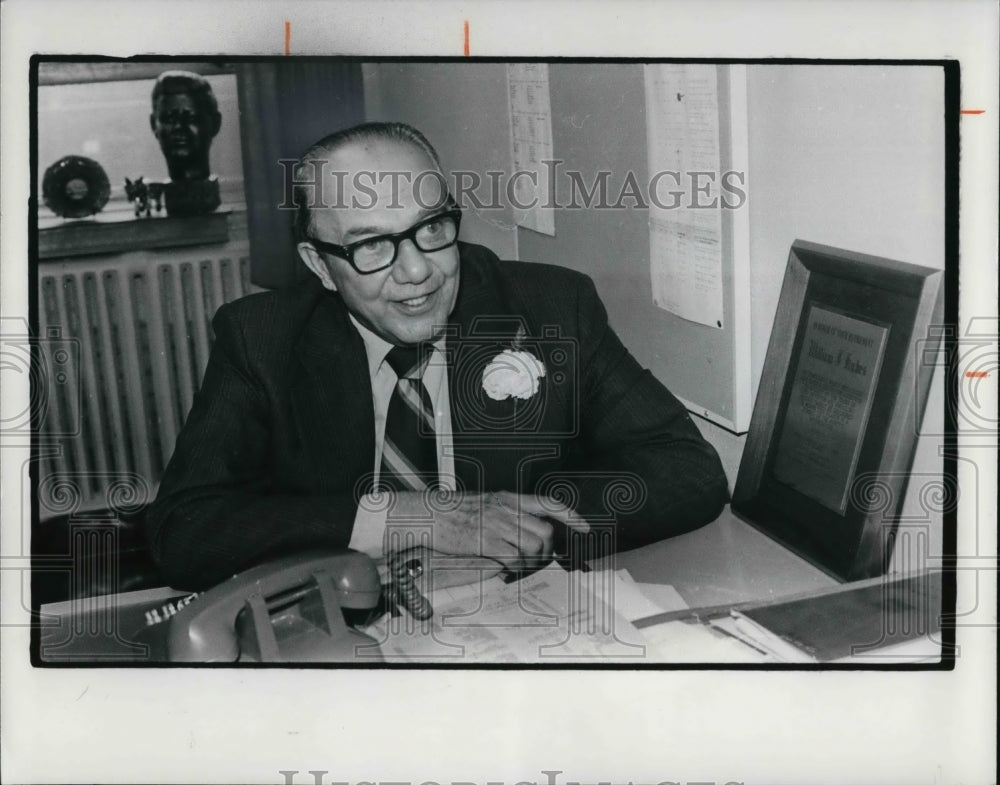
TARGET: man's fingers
(515,530)
(531,538)
(544,507)
(525,532)
(534,538)
(506,551)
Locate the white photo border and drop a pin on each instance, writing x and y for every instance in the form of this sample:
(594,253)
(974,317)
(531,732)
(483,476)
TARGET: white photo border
(210,725)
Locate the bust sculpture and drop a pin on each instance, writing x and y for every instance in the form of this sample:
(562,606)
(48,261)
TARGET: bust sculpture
(185,120)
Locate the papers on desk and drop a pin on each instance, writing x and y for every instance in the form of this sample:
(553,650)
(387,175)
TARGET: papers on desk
(640,600)
(768,646)
(892,619)
(554,616)
(551,616)
(690,641)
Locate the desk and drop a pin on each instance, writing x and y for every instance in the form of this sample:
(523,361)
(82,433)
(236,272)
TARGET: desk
(727,562)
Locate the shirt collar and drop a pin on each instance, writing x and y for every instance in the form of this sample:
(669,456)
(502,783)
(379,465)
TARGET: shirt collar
(377,347)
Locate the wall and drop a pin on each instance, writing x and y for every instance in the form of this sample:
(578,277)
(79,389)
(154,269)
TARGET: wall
(846,156)
(598,126)
(850,156)
(463,112)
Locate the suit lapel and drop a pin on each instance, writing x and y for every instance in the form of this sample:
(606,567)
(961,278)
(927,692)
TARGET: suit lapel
(332,397)
(483,324)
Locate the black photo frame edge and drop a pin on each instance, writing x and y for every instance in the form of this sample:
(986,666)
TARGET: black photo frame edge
(897,448)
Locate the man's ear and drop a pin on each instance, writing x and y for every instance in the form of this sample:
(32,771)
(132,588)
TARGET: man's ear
(216,124)
(316,264)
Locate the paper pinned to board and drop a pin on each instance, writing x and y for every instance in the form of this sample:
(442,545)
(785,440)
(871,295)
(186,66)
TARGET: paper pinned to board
(531,138)
(685,222)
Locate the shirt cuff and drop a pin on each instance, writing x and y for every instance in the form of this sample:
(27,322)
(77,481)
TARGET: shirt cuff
(368,535)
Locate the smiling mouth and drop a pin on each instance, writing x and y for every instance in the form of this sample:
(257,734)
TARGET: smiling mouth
(416,303)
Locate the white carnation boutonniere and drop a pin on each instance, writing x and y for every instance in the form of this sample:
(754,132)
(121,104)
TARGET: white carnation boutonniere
(514,373)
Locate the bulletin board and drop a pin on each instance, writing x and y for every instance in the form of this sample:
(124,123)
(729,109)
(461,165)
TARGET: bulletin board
(599,125)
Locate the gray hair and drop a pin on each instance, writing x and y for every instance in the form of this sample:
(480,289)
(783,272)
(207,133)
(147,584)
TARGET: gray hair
(325,147)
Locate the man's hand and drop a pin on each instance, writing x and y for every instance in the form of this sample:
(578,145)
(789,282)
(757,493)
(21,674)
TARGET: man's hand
(507,527)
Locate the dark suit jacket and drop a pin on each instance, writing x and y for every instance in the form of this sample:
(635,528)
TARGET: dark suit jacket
(279,444)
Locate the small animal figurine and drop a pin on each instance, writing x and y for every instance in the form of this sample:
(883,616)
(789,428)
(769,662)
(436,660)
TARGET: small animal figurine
(140,193)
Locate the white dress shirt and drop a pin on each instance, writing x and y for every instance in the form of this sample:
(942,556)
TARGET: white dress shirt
(370,522)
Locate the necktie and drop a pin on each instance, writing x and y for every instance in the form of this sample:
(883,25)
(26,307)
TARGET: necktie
(409,450)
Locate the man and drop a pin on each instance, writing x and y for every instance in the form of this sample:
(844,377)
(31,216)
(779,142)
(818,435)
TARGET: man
(516,385)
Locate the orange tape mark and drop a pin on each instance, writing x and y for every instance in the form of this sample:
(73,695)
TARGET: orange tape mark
(466,35)
(973,111)
(976,374)
(288,37)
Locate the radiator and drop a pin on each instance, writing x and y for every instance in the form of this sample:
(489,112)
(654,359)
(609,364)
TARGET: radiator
(125,343)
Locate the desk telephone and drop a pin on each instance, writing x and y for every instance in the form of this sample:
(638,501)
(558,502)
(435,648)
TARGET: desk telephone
(308,607)
(302,608)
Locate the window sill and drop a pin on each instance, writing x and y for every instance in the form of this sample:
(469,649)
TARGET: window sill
(122,233)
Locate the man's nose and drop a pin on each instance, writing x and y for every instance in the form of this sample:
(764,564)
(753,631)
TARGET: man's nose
(177,120)
(411,265)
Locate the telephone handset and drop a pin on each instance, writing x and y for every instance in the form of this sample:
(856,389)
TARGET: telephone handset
(296,609)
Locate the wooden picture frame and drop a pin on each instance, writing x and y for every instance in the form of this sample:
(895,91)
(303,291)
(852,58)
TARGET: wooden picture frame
(841,396)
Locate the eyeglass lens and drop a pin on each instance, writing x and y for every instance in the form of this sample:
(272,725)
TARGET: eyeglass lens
(431,235)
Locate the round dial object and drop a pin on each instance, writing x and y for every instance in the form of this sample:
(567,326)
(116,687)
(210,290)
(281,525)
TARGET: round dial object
(75,187)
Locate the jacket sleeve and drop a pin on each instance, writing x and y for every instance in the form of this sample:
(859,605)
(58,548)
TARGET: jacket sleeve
(215,513)
(650,470)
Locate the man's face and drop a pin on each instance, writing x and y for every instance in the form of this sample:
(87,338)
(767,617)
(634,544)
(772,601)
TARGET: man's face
(410,301)
(181,129)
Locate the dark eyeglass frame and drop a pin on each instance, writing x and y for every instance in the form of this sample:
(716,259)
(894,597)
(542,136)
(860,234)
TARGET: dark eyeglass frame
(346,252)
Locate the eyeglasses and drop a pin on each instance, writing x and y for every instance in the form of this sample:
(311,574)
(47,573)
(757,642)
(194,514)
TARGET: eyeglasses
(376,253)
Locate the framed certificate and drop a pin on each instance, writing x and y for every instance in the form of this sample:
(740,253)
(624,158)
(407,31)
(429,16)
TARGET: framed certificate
(840,400)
